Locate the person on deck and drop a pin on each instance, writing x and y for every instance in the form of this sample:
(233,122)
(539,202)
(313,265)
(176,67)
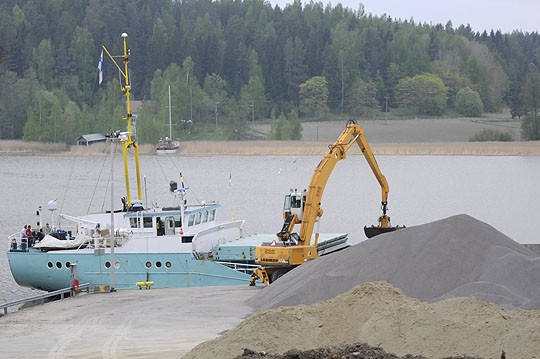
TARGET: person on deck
(29,235)
(47,229)
(39,236)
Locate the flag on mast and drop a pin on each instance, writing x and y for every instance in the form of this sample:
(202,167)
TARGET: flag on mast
(100,67)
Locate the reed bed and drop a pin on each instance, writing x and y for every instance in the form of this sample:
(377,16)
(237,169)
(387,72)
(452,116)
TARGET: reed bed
(21,147)
(105,149)
(518,148)
(263,148)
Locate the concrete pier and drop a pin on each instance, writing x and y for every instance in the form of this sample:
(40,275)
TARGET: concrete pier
(159,323)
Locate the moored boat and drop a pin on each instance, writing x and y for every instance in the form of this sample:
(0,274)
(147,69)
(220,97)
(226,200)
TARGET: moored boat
(164,246)
(167,145)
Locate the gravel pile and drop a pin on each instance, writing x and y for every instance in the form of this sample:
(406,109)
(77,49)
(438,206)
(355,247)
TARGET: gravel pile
(459,256)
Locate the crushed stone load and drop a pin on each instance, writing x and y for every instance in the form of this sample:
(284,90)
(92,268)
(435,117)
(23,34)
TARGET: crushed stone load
(381,315)
(459,256)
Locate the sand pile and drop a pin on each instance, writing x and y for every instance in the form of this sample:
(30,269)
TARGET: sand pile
(454,257)
(381,315)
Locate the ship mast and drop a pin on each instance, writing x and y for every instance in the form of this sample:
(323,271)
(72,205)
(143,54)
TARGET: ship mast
(129,140)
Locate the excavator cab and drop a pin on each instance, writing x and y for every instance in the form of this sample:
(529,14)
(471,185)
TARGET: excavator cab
(293,208)
(294,204)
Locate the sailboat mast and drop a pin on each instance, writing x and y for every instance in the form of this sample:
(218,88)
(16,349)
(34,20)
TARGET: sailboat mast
(170,115)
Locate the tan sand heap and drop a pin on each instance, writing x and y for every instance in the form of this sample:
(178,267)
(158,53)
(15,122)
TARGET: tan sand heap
(381,315)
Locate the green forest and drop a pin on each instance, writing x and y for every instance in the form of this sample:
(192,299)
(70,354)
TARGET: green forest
(232,63)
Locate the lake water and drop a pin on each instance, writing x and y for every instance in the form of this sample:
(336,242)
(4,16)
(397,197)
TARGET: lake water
(501,191)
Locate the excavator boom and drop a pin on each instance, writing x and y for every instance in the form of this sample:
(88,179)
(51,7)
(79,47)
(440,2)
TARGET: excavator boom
(291,249)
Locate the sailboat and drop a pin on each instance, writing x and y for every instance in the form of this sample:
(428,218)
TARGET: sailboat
(167,145)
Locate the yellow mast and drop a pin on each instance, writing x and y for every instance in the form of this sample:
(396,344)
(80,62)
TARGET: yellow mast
(131,141)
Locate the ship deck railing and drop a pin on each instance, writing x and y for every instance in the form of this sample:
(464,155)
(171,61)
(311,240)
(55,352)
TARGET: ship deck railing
(241,267)
(40,298)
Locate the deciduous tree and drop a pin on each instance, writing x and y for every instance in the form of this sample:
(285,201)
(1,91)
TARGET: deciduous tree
(361,99)
(425,93)
(314,96)
(44,63)
(469,103)
(295,125)
(530,124)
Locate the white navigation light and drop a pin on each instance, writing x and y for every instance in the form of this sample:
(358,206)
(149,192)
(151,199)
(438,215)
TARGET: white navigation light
(52,205)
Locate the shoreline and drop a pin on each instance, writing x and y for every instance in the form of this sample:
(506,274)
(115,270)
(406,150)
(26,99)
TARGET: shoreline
(261,148)
(264,148)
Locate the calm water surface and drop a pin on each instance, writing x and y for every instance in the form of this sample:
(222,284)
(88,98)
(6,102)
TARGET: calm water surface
(501,191)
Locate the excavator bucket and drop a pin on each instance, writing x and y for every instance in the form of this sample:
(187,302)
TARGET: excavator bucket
(375,230)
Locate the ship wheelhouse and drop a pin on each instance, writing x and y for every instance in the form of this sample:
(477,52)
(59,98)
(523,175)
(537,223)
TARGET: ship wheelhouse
(173,221)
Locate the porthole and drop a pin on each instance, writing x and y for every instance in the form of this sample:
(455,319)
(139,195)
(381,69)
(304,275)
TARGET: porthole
(58,265)
(158,264)
(168,264)
(116,265)
(68,265)
(107,265)
(148,264)
(50,265)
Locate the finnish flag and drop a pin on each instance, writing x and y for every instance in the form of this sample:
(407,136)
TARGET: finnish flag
(100,67)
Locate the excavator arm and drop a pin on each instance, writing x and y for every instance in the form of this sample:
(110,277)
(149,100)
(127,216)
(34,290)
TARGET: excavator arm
(352,134)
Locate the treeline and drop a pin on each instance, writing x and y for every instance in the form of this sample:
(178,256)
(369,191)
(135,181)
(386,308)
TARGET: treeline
(230,63)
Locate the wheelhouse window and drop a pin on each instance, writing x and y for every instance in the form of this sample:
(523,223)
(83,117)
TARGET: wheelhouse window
(191,220)
(147,222)
(134,222)
(177,221)
(204,217)
(198,218)
(211,215)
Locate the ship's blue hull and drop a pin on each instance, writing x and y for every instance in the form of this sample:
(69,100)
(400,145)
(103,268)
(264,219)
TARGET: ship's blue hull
(52,270)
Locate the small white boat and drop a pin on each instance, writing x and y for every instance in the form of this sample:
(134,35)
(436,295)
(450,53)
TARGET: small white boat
(167,145)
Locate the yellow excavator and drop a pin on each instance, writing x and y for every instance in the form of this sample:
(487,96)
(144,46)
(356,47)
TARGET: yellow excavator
(290,249)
